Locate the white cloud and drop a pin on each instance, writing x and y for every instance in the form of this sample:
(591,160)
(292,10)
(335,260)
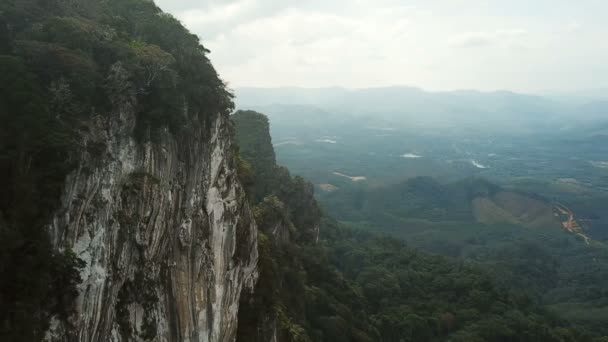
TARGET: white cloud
(573,26)
(472,39)
(435,44)
(480,39)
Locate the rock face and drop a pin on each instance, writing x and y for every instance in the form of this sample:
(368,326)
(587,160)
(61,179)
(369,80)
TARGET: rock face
(165,230)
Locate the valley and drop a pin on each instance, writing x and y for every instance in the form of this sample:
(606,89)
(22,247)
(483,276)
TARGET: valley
(516,238)
(531,208)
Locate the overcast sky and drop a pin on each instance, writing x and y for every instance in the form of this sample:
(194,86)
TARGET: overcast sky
(520,45)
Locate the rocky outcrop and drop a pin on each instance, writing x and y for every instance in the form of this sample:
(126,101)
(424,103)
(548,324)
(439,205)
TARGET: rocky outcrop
(295,193)
(274,221)
(165,230)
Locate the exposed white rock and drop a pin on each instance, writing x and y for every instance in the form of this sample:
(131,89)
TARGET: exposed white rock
(410,156)
(477,164)
(600,164)
(168,239)
(352,178)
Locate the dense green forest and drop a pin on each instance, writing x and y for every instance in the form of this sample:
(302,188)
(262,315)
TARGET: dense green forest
(512,234)
(423,188)
(356,286)
(62,64)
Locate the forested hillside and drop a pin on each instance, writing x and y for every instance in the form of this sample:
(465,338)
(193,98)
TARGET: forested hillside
(518,236)
(354,286)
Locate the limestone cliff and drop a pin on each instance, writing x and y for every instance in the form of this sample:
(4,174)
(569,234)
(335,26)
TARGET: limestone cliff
(165,230)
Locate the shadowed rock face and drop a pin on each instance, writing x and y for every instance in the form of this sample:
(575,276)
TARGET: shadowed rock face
(165,230)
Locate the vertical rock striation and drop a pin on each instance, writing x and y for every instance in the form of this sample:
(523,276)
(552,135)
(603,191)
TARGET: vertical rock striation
(165,230)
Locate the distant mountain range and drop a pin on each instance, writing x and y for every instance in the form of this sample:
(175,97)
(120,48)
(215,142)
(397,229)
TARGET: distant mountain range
(409,107)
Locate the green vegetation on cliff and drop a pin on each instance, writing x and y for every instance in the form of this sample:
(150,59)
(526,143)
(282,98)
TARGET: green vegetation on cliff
(253,137)
(268,178)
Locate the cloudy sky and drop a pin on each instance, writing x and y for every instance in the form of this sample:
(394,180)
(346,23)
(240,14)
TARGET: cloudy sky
(520,45)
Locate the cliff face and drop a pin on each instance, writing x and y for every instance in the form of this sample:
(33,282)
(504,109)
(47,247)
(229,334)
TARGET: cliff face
(165,230)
